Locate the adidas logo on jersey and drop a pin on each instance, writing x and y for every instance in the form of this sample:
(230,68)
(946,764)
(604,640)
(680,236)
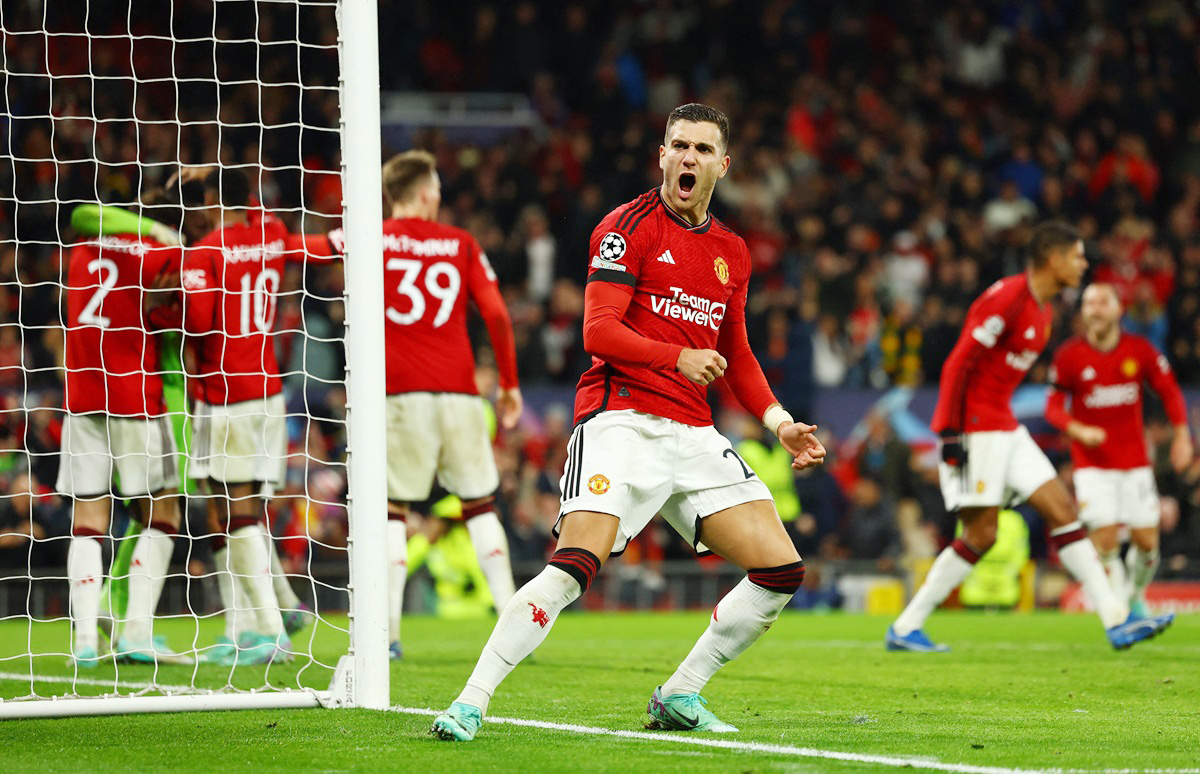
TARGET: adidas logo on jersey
(622,393)
(667,257)
(1088,374)
(1030,332)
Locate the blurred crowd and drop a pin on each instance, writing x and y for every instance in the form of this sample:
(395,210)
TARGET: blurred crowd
(888,163)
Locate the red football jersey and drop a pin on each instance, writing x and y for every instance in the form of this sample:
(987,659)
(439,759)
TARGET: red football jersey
(111,359)
(1105,390)
(1004,332)
(686,281)
(230,282)
(430,270)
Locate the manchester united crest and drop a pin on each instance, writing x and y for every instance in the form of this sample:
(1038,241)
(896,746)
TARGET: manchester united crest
(598,484)
(722,269)
(1129,367)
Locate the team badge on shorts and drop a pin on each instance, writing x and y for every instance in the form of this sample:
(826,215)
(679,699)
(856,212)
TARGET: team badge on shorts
(612,246)
(979,487)
(722,270)
(1129,367)
(598,484)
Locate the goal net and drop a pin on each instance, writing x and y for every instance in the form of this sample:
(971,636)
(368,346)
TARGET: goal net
(191,490)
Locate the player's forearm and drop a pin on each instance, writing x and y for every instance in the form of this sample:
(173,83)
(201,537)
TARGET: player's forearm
(96,219)
(1056,411)
(607,338)
(495,316)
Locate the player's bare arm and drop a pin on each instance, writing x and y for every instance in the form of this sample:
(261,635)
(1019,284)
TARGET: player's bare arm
(1182,451)
(508,406)
(1088,435)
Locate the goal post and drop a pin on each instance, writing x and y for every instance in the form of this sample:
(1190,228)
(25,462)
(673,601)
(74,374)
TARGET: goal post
(109,96)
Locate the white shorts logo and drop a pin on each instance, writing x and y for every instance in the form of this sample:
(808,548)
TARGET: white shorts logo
(612,246)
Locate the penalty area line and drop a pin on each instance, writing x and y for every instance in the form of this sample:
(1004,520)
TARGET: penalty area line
(803,752)
(762,747)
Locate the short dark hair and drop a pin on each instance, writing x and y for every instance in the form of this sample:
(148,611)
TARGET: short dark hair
(230,184)
(694,111)
(1048,237)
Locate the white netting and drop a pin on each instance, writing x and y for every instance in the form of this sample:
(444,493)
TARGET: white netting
(103,102)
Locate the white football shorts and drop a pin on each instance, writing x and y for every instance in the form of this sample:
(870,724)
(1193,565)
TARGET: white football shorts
(1108,497)
(142,451)
(1004,467)
(442,434)
(633,465)
(240,443)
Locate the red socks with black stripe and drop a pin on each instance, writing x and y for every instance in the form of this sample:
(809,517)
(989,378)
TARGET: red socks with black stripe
(526,620)
(739,619)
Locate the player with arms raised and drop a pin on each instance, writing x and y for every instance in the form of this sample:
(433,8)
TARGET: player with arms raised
(1101,373)
(116,418)
(230,280)
(664,318)
(990,461)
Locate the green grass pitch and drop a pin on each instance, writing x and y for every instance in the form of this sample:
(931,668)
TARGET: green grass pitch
(1040,691)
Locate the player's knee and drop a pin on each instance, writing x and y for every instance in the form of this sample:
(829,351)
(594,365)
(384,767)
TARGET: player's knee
(980,537)
(580,563)
(784,579)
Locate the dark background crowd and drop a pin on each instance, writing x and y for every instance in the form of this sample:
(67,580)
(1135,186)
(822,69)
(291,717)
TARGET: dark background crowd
(889,160)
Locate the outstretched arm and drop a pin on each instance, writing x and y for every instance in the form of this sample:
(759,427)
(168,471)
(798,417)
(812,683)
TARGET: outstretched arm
(97,219)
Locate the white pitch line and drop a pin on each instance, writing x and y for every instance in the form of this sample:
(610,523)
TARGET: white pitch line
(114,684)
(804,752)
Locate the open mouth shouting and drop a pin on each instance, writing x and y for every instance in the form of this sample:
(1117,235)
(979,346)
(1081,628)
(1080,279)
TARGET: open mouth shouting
(687,181)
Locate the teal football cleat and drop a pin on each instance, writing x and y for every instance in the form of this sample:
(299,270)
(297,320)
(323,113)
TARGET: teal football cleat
(395,652)
(223,653)
(261,649)
(1138,609)
(683,712)
(148,652)
(295,620)
(915,641)
(85,658)
(460,723)
(1135,630)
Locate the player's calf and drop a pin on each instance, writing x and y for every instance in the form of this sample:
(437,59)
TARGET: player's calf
(523,626)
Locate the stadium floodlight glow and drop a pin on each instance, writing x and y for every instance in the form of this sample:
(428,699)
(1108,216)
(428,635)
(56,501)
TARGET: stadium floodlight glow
(97,115)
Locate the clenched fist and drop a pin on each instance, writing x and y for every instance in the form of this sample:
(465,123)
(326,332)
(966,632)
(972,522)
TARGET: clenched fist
(701,366)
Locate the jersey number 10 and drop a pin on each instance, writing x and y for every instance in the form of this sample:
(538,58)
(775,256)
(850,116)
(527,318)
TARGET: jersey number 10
(258,302)
(442,281)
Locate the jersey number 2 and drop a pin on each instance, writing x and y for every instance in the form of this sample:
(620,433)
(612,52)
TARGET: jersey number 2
(106,270)
(749,473)
(442,281)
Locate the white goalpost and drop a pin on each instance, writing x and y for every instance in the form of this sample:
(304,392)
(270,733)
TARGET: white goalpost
(90,126)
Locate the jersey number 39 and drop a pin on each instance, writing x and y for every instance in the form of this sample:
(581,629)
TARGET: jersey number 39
(442,281)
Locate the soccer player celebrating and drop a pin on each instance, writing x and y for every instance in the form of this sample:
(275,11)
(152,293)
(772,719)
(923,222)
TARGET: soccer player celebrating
(990,461)
(435,417)
(116,419)
(230,279)
(665,317)
(1102,373)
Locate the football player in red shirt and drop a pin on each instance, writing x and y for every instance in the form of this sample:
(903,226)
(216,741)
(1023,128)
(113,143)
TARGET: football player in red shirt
(230,280)
(664,318)
(116,419)
(1101,373)
(989,459)
(436,421)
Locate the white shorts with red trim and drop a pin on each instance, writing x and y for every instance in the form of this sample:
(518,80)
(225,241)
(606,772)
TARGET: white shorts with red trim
(633,465)
(1108,497)
(1003,468)
(142,451)
(240,443)
(442,434)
